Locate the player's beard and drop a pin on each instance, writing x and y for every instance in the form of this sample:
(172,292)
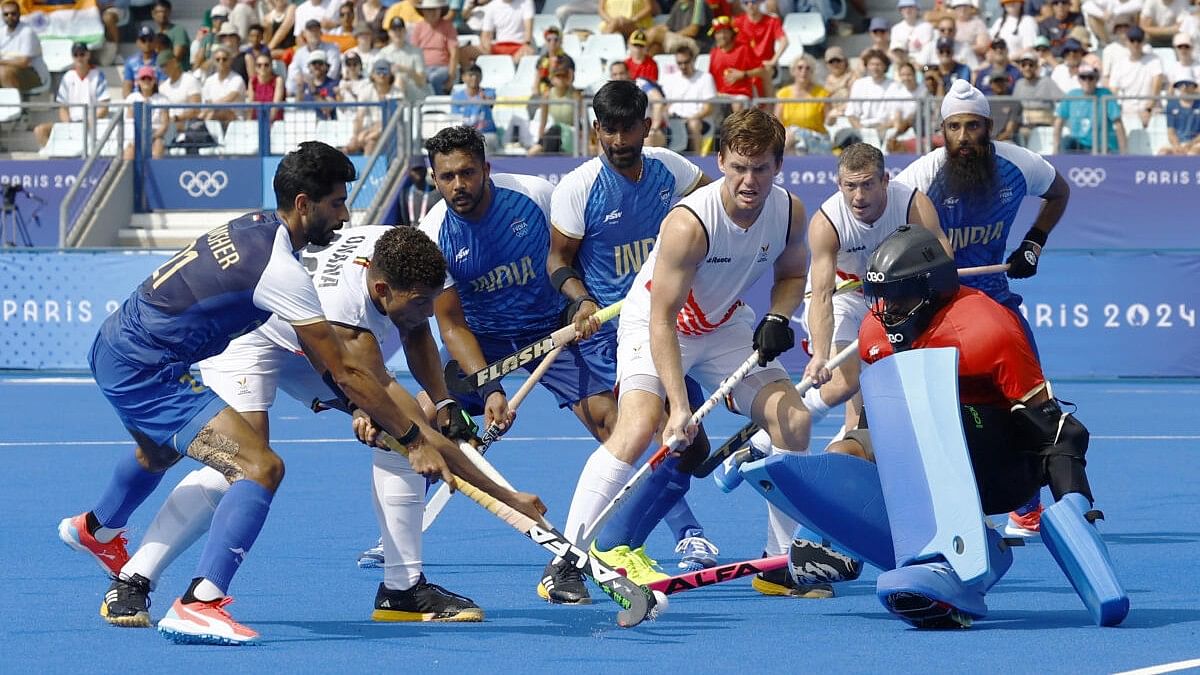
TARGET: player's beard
(626,159)
(970,175)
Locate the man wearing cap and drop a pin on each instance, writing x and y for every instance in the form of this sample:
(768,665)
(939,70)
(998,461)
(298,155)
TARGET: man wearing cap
(997,63)
(82,84)
(1186,67)
(178,87)
(735,69)
(146,56)
(838,78)
(508,28)
(1066,74)
(971,30)
(638,62)
(551,52)
(763,35)
(912,33)
(438,42)
(1140,75)
(947,35)
(1183,119)
(1079,116)
(687,23)
(320,11)
(368,122)
(223,86)
(206,38)
(1006,114)
(403,9)
(1036,93)
(228,38)
(310,41)
(161,13)
(880,31)
(1057,27)
(408,62)
(1103,16)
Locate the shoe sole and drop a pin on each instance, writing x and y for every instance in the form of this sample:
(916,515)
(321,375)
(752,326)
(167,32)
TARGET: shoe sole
(369,564)
(921,611)
(1018,531)
(474,615)
(182,637)
(70,536)
(139,620)
(804,593)
(545,595)
(696,565)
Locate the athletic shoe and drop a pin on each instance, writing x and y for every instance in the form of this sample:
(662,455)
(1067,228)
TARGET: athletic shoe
(204,623)
(127,602)
(930,595)
(562,584)
(780,582)
(633,563)
(1027,525)
(811,563)
(373,557)
(698,552)
(111,556)
(423,602)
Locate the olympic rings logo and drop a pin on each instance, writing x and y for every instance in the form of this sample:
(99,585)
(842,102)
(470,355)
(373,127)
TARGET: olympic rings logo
(203,183)
(1086,176)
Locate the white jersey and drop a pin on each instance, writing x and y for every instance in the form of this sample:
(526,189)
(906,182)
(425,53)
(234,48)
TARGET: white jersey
(736,258)
(339,271)
(858,240)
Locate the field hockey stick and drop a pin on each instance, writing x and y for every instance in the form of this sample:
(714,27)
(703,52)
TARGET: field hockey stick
(736,441)
(984,269)
(460,384)
(717,575)
(673,444)
(442,496)
(638,601)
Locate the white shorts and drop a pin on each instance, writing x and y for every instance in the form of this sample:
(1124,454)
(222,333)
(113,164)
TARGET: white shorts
(707,358)
(849,310)
(247,374)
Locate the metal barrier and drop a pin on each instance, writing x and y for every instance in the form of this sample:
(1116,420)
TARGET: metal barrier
(67,216)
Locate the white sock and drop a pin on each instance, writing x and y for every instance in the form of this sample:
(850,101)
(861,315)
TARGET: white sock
(399,496)
(185,516)
(601,479)
(779,525)
(817,407)
(761,441)
(207,591)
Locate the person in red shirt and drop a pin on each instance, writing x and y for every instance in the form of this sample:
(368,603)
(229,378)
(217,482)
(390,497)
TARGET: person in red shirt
(639,62)
(763,35)
(733,66)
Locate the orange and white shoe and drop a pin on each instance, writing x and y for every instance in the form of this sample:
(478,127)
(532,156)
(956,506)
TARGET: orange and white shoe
(112,556)
(204,623)
(1027,525)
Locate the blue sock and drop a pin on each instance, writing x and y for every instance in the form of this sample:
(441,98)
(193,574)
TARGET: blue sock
(128,488)
(235,525)
(681,519)
(623,526)
(1031,505)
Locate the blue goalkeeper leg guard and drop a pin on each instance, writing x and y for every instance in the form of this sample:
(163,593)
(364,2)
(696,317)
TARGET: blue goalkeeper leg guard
(1072,539)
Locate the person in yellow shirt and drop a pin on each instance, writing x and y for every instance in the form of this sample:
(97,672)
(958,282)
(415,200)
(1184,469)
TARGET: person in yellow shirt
(405,9)
(626,16)
(804,121)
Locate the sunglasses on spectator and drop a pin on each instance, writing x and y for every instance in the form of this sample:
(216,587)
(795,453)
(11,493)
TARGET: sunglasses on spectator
(1027,62)
(946,30)
(1183,46)
(1088,78)
(12,14)
(835,60)
(220,59)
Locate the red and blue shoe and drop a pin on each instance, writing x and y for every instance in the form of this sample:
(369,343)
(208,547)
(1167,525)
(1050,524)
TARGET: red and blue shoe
(111,556)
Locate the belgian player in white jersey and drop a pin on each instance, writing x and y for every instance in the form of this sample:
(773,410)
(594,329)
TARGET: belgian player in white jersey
(712,246)
(376,286)
(604,220)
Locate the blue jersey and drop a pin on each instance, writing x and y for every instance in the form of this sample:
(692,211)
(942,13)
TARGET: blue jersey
(497,264)
(616,220)
(978,228)
(225,284)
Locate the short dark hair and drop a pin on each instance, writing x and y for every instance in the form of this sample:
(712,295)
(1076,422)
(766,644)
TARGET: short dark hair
(256,26)
(473,69)
(456,139)
(406,257)
(619,104)
(163,3)
(876,54)
(861,157)
(685,49)
(314,169)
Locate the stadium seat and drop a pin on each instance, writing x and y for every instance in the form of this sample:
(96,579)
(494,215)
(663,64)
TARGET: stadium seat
(286,134)
(1167,55)
(1138,142)
(572,45)
(666,64)
(1041,140)
(807,28)
(540,23)
(464,40)
(526,71)
(589,69)
(241,138)
(66,140)
(702,63)
(794,49)
(679,136)
(57,55)
(587,22)
(10,105)
(608,47)
(552,5)
(497,69)
(336,132)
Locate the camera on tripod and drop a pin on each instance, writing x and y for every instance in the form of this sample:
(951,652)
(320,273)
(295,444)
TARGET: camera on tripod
(13,229)
(10,194)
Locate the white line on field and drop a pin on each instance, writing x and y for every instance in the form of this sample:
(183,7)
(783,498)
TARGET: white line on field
(1164,668)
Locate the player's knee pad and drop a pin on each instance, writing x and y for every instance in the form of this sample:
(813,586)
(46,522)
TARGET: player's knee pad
(1061,439)
(1071,537)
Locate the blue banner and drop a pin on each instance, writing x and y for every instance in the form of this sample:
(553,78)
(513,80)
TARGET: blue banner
(202,184)
(1116,202)
(32,218)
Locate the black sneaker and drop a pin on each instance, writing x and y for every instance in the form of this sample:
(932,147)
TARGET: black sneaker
(780,582)
(816,563)
(424,602)
(562,584)
(127,602)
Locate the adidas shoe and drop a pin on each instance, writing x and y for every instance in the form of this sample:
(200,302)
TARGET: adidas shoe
(423,602)
(1027,525)
(562,584)
(698,553)
(204,623)
(373,557)
(780,582)
(111,556)
(633,563)
(127,602)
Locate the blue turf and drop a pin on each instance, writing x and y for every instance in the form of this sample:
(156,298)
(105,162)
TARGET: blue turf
(301,589)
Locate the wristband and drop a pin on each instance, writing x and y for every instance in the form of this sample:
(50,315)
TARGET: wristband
(490,388)
(1036,236)
(410,435)
(562,275)
(445,403)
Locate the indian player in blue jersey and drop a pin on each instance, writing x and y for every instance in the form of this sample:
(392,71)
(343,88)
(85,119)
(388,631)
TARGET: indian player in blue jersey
(977,185)
(605,218)
(223,285)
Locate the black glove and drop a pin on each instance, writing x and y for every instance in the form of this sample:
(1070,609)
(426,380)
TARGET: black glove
(460,426)
(1023,262)
(572,308)
(773,337)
